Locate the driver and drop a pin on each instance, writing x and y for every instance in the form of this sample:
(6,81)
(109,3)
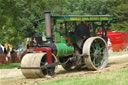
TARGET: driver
(83,30)
(82,33)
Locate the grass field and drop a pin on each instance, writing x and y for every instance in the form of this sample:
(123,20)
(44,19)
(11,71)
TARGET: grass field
(119,53)
(8,66)
(110,78)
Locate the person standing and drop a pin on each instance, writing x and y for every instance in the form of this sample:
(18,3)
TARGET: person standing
(1,49)
(13,56)
(2,55)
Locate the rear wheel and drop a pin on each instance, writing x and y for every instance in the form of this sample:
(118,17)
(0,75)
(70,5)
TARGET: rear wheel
(96,54)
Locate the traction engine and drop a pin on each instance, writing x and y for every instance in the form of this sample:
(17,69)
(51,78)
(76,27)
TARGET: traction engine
(72,41)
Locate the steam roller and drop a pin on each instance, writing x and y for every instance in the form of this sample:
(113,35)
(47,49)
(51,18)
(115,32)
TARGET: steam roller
(74,46)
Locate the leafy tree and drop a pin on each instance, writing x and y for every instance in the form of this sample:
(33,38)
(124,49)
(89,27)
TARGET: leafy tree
(119,10)
(8,18)
(18,18)
(91,7)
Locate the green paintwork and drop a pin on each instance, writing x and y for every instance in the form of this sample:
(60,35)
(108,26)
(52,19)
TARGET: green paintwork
(96,59)
(63,47)
(57,37)
(64,50)
(72,40)
(62,39)
(81,18)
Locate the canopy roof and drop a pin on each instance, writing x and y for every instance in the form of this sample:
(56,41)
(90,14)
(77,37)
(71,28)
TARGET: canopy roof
(80,18)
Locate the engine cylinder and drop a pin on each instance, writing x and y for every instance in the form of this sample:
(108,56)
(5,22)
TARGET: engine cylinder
(64,50)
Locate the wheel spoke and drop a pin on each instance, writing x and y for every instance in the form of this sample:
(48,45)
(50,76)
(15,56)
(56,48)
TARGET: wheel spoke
(98,50)
(94,62)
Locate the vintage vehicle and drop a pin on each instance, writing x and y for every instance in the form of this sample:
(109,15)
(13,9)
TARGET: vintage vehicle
(118,40)
(71,41)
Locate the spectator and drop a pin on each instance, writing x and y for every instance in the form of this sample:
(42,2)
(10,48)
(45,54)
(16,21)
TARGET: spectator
(1,49)
(13,56)
(2,55)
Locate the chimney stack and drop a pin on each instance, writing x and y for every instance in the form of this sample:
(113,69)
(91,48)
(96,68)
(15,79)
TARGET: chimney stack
(47,13)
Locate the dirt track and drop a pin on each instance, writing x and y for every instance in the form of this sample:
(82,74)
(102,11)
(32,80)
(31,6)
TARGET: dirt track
(15,77)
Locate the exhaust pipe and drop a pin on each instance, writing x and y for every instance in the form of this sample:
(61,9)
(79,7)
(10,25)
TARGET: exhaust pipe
(47,13)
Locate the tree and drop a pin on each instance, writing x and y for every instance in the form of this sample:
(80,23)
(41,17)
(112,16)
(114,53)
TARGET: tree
(8,16)
(18,18)
(90,7)
(119,10)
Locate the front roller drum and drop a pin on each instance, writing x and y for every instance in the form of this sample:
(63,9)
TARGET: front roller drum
(32,60)
(96,53)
